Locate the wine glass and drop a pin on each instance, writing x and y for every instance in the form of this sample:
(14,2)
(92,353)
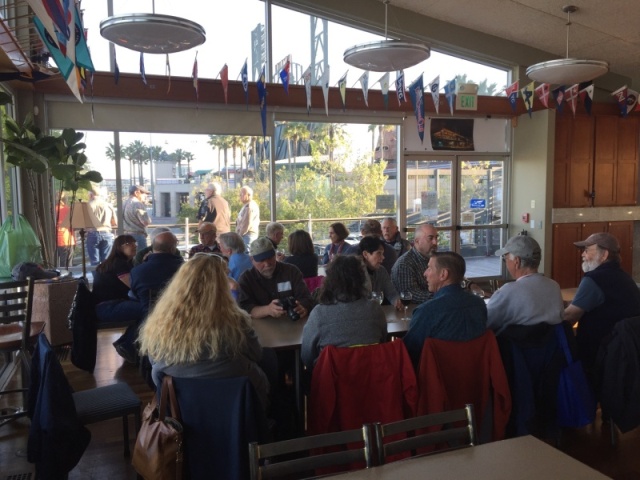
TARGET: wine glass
(380,297)
(375,296)
(405,298)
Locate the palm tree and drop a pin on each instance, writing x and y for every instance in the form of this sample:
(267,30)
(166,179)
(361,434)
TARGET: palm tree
(188,156)
(294,132)
(139,153)
(178,156)
(110,153)
(222,143)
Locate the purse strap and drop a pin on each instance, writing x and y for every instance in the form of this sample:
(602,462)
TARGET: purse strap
(168,394)
(562,340)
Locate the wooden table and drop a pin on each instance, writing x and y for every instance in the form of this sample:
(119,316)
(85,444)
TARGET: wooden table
(568,294)
(523,458)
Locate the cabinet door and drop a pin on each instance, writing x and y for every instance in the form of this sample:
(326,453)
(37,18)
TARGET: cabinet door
(606,159)
(566,262)
(561,163)
(623,231)
(581,171)
(627,162)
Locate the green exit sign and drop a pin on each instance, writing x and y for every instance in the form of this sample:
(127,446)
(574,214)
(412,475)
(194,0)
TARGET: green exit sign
(465,101)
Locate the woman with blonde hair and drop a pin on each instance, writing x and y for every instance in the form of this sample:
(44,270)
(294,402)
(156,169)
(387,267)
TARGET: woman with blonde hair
(196,329)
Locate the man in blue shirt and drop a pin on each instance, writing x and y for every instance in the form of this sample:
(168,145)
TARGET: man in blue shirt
(452,314)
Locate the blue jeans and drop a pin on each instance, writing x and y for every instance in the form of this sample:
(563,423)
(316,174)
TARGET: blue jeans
(98,246)
(141,240)
(119,311)
(248,238)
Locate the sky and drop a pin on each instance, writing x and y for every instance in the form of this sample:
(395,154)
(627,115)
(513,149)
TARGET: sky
(228,25)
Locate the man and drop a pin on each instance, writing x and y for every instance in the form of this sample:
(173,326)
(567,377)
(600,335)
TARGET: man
(606,295)
(453,314)
(532,298)
(407,274)
(215,209)
(248,222)
(263,286)
(274,231)
(391,236)
(372,228)
(99,240)
(232,246)
(142,255)
(135,217)
(208,244)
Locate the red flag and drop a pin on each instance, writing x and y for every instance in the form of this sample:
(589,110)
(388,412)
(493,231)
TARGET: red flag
(224,77)
(542,91)
(571,95)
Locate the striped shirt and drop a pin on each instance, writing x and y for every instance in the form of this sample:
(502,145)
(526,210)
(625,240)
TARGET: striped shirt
(407,275)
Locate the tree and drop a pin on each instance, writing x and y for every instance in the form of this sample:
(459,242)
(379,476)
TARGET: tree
(484,87)
(138,153)
(294,132)
(222,142)
(110,153)
(189,157)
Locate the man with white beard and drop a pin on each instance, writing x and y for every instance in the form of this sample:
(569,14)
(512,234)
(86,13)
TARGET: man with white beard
(606,295)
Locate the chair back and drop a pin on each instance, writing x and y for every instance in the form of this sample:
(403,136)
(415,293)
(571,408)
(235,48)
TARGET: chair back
(453,374)
(448,430)
(220,418)
(16,305)
(314,283)
(300,457)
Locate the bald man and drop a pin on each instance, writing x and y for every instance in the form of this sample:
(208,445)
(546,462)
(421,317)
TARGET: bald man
(407,274)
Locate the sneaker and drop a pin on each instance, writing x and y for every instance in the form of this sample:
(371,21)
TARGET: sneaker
(128,355)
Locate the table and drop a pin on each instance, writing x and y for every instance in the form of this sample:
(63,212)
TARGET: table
(568,294)
(524,458)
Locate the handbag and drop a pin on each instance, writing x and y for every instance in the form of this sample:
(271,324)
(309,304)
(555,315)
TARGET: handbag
(576,401)
(158,453)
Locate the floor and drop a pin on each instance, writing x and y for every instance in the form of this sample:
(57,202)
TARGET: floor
(104,458)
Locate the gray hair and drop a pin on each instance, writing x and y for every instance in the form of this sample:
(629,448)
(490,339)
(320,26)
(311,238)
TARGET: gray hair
(157,231)
(273,227)
(232,241)
(215,187)
(165,242)
(248,190)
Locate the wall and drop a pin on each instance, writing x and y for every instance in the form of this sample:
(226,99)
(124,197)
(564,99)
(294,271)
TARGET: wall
(532,179)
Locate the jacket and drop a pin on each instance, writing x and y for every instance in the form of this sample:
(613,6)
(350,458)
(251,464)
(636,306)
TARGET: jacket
(452,374)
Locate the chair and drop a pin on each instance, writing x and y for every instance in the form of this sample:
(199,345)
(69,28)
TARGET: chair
(17,336)
(302,456)
(453,374)
(427,430)
(314,282)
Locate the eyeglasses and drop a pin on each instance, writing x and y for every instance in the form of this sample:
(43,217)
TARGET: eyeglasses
(128,243)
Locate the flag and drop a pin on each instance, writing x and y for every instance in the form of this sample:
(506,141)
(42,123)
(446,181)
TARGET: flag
(83,56)
(632,100)
(586,95)
(262,97)
(558,96)
(144,77)
(306,77)
(194,75)
(434,86)
(245,82)
(325,89)
(571,97)
(450,93)
(54,17)
(284,74)
(364,83)
(384,88)
(342,86)
(167,71)
(400,88)
(116,70)
(542,91)
(416,92)
(621,97)
(224,78)
(527,97)
(512,95)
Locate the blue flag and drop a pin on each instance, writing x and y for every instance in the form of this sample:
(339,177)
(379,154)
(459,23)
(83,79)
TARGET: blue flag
(558,96)
(416,91)
(284,76)
(245,82)
(450,93)
(116,71)
(262,97)
(400,87)
(83,57)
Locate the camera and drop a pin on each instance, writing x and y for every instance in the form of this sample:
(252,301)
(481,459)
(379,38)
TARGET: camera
(289,304)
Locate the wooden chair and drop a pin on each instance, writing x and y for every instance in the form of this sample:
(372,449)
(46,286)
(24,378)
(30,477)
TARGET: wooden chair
(17,336)
(427,430)
(315,455)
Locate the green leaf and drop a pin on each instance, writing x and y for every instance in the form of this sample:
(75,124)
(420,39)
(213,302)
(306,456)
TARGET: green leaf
(5,98)
(63,172)
(29,153)
(92,176)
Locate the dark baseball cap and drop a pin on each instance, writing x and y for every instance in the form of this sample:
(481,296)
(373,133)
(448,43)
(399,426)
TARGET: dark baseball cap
(603,240)
(134,188)
(261,249)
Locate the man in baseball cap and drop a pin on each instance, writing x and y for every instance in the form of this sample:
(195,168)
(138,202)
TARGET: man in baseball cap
(135,217)
(137,188)
(532,298)
(606,295)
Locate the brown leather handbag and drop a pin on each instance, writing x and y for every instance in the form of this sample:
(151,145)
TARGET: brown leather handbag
(158,452)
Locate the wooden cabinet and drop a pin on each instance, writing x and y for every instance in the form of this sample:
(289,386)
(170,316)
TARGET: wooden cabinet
(595,154)
(566,266)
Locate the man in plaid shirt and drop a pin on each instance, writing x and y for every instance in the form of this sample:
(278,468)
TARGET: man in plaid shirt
(407,274)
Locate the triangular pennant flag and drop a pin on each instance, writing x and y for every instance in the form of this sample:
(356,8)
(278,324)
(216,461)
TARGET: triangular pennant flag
(558,96)
(416,92)
(167,69)
(450,93)
(53,17)
(116,71)
(632,100)
(400,88)
(542,91)
(262,97)
(364,83)
(306,78)
(284,74)
(245,82)
(621,97)
(93,113)
(434,86)
(144,77)
(194,75)
(384,88)
(342,86)
(527,97)
(83,56)
(571,97)
(512,95)
(586,96)
(325,89)
(224,79)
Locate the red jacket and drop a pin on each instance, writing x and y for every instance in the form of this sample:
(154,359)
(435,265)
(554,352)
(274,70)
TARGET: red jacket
(452,374)
(352,386)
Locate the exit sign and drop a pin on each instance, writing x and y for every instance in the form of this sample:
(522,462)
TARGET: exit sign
(467,97)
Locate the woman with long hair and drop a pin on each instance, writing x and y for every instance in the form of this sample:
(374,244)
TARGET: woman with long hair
(196,329)
(302,253)
(337,233)
(345,316)
(111,294)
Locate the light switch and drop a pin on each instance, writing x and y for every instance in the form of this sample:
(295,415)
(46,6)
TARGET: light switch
(533,204)
(532,224)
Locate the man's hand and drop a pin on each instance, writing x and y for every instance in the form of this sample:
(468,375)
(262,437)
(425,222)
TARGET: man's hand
(300,310)
(398,305)
(275,309)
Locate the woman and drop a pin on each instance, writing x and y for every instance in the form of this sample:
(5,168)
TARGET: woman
(345,316)
(196,329)
(372,250)
(337,233)
(111,289)
(302,253)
